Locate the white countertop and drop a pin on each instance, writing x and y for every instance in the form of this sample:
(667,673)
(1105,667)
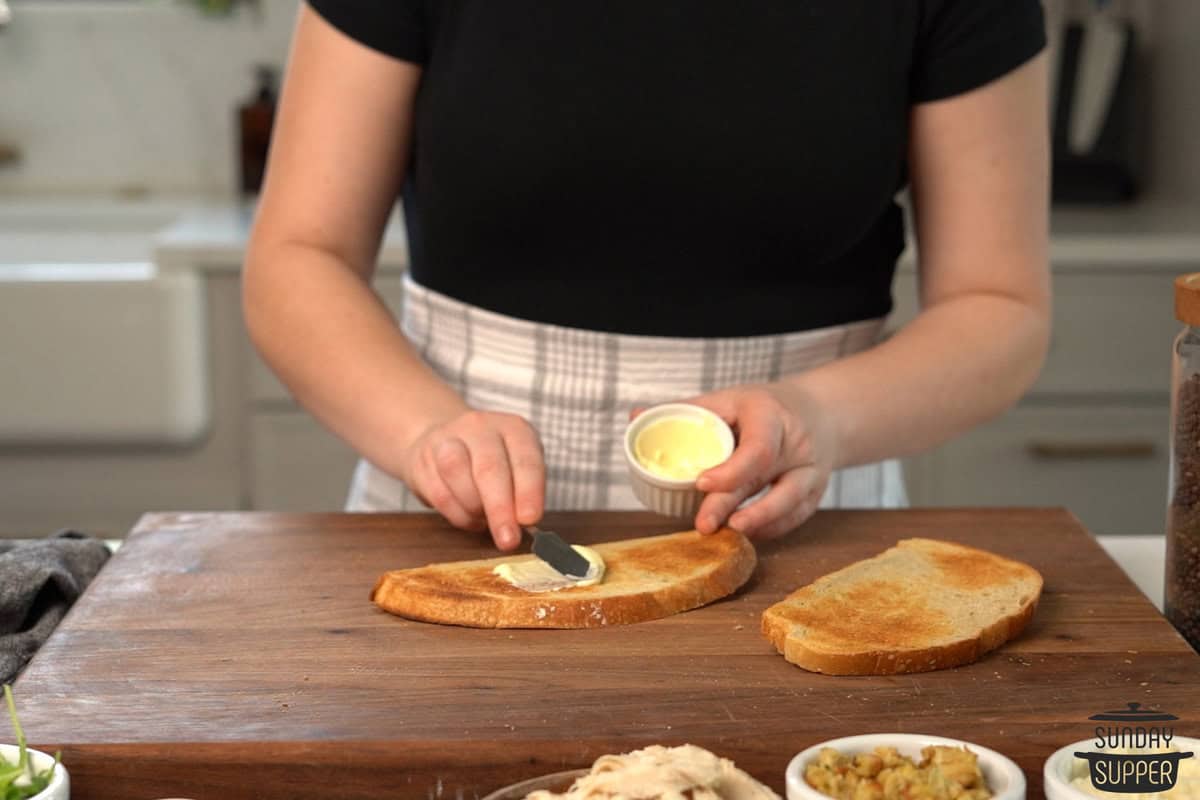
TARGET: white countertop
(213,237)
(211,234)
(1144,560)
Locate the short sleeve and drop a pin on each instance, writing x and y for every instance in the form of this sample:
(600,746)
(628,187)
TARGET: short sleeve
(963,44)
(397,28)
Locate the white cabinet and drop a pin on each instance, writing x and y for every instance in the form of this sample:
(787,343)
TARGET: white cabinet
(295,463)
(103,490)
(1108,465)
(1091,435)
(1111,331)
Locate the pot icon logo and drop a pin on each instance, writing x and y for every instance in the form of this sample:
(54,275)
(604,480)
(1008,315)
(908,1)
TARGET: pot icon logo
(1133,751)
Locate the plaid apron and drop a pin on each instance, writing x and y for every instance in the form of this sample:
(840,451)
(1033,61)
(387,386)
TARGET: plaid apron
(576,388)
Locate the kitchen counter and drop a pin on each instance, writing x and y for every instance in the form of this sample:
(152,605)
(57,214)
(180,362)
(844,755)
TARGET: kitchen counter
(213,237)
(1144,560)
(211,234)
(216,648)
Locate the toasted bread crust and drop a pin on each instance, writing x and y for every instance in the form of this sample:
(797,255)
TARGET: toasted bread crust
(957,565)
(646,579)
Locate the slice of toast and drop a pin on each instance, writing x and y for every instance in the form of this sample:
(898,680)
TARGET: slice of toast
(921,605)
(644,579)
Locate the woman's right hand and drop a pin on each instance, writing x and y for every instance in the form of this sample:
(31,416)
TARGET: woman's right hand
(480,470)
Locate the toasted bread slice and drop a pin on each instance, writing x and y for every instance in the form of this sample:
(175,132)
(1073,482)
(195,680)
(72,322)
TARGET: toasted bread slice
(921,605)
(645,579)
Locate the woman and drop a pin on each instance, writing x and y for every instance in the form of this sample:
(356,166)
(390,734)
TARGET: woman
(615,203)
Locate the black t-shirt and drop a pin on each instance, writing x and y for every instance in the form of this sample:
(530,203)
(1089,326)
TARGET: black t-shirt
(674,167)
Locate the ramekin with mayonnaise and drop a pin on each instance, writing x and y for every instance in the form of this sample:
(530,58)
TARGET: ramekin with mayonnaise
(667,447)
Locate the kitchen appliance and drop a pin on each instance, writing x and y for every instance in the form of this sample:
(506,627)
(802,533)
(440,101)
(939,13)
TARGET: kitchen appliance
(1098,116)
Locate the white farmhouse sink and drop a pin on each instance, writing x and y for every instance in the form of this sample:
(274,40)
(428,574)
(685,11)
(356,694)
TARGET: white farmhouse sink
(97,346)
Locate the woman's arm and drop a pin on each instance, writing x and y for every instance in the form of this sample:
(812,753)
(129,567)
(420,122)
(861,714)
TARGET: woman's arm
(337,160)
(980,191)
(980,184)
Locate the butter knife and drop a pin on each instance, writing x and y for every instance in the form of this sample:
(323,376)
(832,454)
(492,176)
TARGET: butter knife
(551,548)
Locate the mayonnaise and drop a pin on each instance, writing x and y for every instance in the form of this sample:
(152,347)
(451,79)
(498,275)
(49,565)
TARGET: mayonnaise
(680,448)
(534,575)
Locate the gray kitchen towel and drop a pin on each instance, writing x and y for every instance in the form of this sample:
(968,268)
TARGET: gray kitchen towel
(39,580)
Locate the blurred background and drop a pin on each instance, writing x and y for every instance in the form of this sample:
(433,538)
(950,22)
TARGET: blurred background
(132,138)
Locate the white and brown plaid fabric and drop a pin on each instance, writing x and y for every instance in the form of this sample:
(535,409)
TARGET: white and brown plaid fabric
(577,387)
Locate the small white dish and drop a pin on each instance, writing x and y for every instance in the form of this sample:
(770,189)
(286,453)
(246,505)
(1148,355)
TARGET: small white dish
(60,784)
(1063,766)
(672,497)
(1003,776)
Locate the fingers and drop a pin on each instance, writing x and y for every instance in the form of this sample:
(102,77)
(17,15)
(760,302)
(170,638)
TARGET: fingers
(793,519)
(486,468)
(717,506)
(493,477)
(723,403)
(760,442)
(755,461)
(433,490)
(528,471)
(452,459)
(792,499)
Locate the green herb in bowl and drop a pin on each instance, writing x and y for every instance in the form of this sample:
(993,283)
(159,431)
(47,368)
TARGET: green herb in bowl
(20,781)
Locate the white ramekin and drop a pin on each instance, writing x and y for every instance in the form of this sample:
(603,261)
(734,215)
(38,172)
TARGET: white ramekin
(674,498)
(60,785)
(1003,776)
(1059,768)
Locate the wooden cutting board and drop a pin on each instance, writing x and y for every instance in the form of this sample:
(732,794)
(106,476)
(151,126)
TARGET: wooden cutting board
(237,655)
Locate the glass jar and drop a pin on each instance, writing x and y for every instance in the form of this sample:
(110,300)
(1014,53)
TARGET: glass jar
(1182,585)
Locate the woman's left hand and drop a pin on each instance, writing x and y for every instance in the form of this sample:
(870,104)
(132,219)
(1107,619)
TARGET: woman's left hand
(785,440)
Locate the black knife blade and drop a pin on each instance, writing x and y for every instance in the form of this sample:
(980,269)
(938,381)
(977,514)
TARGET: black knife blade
(551,548)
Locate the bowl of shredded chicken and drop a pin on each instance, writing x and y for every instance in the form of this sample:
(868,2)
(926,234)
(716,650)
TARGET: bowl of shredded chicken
(652,773)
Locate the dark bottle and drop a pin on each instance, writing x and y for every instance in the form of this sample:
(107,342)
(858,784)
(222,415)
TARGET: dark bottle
(255,119)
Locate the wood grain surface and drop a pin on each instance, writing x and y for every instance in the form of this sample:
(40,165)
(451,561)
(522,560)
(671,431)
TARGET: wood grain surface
(237,655)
